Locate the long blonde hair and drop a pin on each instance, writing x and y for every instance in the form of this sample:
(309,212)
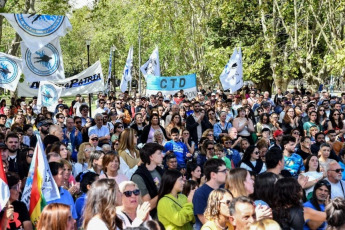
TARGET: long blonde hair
(101,201)
(236,182)
(212,210)
(81,154)
(126,141)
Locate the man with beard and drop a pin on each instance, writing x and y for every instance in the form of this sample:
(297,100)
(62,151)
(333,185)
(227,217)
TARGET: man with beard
(319,139)
(12,143)
(293,162)
(193,122)
(322,190)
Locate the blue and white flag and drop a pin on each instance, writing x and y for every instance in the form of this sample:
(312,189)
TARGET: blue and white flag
(48,95)
(107,84)
(171,85)
(151,67)
(127,72)
(38,30)
(232,75)
(10,71)
(43,65)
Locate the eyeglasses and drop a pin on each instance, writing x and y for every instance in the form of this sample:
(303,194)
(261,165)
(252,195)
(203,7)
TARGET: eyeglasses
(256,152)
(136,192)
(210,148)
(227,142)
(337,170)
(30,155)
(120,127)
(222,171)
(94,139)
(296,133)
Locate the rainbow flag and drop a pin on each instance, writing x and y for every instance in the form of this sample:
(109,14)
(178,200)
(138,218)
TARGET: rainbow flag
(40,185)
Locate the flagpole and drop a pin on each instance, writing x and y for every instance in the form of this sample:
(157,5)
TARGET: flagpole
(88,42)
(139,60)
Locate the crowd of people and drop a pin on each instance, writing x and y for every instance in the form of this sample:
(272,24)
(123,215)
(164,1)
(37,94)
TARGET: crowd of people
(248,160)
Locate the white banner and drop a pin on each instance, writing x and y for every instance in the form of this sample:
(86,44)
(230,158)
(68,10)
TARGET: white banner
(171,85)
(38,30)
(232,75)
(151,67)
(10,71)
(127,72)
(48,95)
(89,81)
(43,65)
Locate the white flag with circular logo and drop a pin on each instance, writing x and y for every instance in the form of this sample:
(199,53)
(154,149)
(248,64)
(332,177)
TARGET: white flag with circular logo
(43,65)
(48,95)
(37,30)
(10,71)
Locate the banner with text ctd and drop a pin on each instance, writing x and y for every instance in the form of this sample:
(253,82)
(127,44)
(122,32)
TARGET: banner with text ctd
(171,85)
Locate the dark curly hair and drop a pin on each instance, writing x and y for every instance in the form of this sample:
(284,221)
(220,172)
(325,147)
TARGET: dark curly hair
(287,195)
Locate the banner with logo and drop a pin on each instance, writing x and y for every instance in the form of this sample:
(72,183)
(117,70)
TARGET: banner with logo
(127,72)
(89,81)
(43,65)
(151,67)
(48,95)
(10,71)
(37,30)
(232,75)
(171,85)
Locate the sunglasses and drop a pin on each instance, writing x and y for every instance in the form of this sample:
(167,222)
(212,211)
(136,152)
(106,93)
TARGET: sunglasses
(129,193)
(256,152)
(120,127)
(94,139)
(222,171)
(210,148)
(30,155)
(337,170)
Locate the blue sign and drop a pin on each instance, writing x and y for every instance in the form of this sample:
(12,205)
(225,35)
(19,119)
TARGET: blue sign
(8,70)
(171,83)
(39,25)
(44,62)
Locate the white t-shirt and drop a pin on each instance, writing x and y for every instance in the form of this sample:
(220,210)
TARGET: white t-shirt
(338,190)
(97,223)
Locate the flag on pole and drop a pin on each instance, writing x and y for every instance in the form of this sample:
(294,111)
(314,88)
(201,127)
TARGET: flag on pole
(48,95)
(43,65)
(232,75)
(10,71)
(107,85)
(40,186)
(37,30)
(4,189)
(151,67)
(127,72)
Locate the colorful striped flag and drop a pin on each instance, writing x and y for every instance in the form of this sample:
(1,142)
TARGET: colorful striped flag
(4,190)
(40,186)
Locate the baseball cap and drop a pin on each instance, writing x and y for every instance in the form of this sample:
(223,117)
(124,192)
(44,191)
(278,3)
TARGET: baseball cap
(277,133)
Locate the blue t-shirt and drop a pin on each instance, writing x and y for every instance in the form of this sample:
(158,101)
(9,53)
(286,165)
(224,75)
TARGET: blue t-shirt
(65,198)
(294,164)
(308,204)
(79,206)
(200,203)
(180,150)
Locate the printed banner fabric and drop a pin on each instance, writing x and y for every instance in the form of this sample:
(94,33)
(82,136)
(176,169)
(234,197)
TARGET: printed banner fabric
(10,71)
(48,95)
(38,30)
(151,67)
(232,75)
(170,85)
(88,81)
(43,65)
(127,72)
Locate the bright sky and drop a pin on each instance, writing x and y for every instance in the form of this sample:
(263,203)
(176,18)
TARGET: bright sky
(76,4)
